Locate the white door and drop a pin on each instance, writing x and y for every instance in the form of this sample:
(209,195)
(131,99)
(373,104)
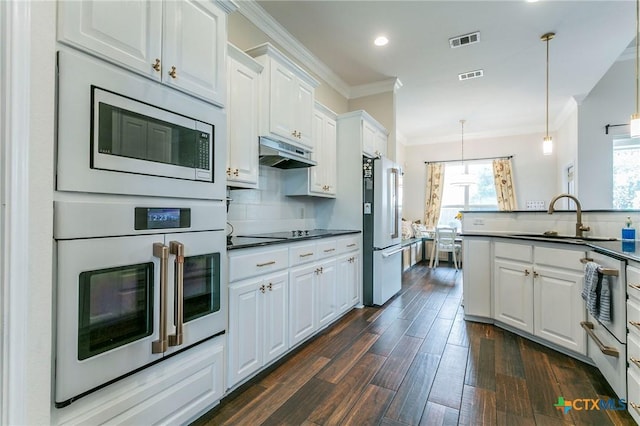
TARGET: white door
(194,49)
(513,287)
(386,203)
(317,174)
(126,32)
(326,291)
(245,329)
(559,309)
(275,316)
(242,116)
(281,108)
(302,303)
(303,113)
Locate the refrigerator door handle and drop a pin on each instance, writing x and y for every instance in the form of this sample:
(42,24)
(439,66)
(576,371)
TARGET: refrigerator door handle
(394,203)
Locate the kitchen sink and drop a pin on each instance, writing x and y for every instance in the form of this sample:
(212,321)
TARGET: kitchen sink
(554,236)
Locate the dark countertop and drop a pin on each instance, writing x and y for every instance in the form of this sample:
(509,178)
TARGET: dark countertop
(625,250)
(259,240)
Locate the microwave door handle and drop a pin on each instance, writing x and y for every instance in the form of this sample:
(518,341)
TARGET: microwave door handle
(176,248)
(162,252)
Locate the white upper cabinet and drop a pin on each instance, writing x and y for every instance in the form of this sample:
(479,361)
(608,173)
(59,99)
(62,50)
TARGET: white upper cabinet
(286,111)
(242,117)
(361,128)
(319,180)
(181,44)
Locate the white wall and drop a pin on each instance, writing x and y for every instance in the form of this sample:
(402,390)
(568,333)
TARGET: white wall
(567,147)
(535,174)
(611,101)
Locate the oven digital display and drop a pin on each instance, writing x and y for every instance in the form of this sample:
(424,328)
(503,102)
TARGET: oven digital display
(162,218)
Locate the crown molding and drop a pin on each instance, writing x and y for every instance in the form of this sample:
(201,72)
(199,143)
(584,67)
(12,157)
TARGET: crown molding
(627,54)
(388,85)
(251,10)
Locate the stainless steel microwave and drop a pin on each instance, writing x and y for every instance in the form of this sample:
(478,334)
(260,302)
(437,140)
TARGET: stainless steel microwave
(119,133)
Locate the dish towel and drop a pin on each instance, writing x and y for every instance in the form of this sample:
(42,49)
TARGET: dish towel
(596,291)
(590,286)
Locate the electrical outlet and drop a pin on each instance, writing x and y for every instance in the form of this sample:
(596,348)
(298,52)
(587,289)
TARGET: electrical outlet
(535,205)
(478,222)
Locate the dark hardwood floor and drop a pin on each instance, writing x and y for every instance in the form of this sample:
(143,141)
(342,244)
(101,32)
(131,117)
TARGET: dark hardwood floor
(416,361)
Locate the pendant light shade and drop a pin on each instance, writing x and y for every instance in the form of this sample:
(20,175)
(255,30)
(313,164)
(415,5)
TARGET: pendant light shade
(634,130)
(547,141)
(464,179)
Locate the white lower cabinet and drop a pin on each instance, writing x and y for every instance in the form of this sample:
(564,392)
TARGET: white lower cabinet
(257,323)
(175,391)
(348,268)
(326,288)
(633,339)
(537,290)
(302,303)
(476,269)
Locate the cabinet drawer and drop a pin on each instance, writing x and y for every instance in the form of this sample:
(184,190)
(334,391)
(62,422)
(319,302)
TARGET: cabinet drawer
(633,282)
(520,252)
(633,383)
(613,368)
(633,351)
(256,262)
(327,248)
(302,253)
(348,244)
(633,315)
(561,258)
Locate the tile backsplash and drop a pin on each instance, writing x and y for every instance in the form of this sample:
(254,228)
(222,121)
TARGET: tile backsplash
(267,209)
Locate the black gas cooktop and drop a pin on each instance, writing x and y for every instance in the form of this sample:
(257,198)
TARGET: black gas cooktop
(295,234)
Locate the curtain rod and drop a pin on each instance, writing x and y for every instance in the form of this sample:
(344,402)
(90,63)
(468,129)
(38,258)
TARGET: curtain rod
(471,159)
(606,128)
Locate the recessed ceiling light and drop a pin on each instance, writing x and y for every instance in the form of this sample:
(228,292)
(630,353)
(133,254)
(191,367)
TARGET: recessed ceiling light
(532,1)
(381,41)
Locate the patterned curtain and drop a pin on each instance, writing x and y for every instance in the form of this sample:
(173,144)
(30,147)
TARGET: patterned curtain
(503,179)
(433,198)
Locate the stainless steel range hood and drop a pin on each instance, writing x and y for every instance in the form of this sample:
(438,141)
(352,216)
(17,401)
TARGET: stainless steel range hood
(283,155)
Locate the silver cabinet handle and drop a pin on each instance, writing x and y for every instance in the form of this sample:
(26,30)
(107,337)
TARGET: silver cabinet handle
(177,249)
(306,255)
(162,252)
(329,250)
(607,350)
(260,265)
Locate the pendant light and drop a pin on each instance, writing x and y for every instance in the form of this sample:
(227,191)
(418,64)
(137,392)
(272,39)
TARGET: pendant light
(463,179)
(634,130)
(547,142)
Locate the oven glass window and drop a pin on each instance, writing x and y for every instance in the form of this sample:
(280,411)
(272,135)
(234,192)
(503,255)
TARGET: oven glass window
(129,134)
(201,286)
(115,308)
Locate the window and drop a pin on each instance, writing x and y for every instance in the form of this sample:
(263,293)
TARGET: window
(626,173)
(481,196)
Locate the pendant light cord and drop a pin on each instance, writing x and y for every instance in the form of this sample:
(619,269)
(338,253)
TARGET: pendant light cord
(547,112)
(462,143)
(637,53)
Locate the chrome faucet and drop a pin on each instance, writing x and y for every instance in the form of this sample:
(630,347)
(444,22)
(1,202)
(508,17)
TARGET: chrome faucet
(579,226)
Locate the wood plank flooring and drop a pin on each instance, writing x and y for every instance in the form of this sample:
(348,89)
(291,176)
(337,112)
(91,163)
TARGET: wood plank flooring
(415,361)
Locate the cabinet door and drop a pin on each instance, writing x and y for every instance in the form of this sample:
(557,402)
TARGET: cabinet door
(194,42)
(245,325)
(317,174)
(275,316)
(368,139)
(281,105)
(329,155)
(559,309)
(343,283)
(355,280)
(303,113)
(326,291)
(380,144)
(302,303)
(242,117)
(513,292)
(128,33)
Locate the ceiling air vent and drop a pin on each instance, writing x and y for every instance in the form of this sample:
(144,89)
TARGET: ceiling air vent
(465,39)
(470,74)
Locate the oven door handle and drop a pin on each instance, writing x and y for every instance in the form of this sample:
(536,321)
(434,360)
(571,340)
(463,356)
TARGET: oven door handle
(162,252)
(607,350)
(177,249)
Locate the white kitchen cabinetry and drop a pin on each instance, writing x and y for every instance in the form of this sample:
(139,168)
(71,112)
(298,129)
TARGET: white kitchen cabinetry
(537,290)
(179,43)
(257,323)
(476,269)
(349,267)
(320,180)
(242,118)
(286,111)
(302,303)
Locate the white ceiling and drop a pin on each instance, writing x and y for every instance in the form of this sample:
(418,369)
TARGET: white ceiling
(509,99)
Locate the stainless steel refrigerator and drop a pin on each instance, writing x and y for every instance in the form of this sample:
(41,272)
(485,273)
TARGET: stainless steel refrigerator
(382,221)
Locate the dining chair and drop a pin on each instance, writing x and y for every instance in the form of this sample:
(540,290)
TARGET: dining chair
(446,242)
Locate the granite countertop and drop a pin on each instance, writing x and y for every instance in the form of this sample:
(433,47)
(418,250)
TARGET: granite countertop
(267,239)
(626,250)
